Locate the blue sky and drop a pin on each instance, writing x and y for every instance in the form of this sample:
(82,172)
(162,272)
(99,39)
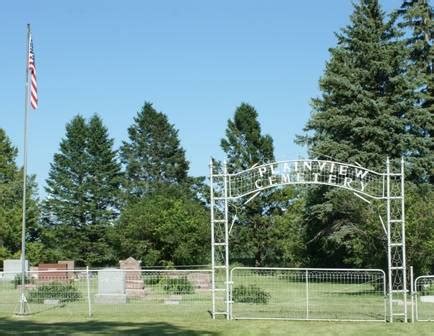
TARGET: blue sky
(196,61)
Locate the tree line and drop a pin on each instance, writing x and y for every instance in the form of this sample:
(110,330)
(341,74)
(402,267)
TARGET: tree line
(376,100)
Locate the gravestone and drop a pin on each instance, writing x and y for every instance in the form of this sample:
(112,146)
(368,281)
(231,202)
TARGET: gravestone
(12,267)
(53,272)
(133,277)
(201,281)
(70,264)
(111,286)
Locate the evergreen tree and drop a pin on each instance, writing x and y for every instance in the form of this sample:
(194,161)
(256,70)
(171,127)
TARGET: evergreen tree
(417,20)
(11,194)
(153,155)
(104,174)
(254,237)
(66,188)
(244,145)
(362,116)
(8,168)
(83,194)
(104,181)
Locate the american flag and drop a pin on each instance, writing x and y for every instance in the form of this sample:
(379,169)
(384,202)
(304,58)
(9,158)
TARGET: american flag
(33,84)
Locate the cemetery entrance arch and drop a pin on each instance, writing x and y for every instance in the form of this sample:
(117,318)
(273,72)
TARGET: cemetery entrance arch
(367,184)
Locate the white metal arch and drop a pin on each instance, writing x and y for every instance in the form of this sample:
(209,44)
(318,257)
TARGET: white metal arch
(365,183)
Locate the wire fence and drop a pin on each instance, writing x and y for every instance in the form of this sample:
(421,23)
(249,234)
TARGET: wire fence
(108,292)
(256,293)
(308,294)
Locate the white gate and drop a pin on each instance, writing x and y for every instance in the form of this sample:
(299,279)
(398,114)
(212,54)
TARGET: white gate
(308,294)
(424,298)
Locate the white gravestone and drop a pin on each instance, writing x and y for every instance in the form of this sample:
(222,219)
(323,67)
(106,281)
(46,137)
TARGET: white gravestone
(111,286)
(12,267)
(427,298)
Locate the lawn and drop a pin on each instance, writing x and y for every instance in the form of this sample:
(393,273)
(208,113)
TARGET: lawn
(291,297)
(288,298)
(165,323)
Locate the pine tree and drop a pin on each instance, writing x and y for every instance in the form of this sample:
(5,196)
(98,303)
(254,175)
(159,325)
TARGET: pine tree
(8,155)
(66,184)
(104,182)
(11,193)
(153,155)
(244,145)
(361,117)
(83,194)
(254,237)
(417,20)
(105,175)
(9,203)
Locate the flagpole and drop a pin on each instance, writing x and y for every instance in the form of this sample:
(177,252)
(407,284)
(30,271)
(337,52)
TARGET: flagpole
(23,306)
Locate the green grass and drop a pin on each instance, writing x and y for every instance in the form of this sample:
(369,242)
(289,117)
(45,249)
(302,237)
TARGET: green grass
(151,322)
(327,300)
(151,316)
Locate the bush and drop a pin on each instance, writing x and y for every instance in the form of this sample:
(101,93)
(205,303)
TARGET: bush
(54,291)
(17,280)
(250,294)
(151,280)
(179,285)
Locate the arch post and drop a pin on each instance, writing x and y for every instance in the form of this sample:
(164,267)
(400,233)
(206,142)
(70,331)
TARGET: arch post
(220,277)
(396,253)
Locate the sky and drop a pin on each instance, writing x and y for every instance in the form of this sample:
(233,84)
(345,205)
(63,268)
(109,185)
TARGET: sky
(195,60)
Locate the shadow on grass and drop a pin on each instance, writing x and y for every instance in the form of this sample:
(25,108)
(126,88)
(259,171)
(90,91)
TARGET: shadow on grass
(28,327)
(371,293)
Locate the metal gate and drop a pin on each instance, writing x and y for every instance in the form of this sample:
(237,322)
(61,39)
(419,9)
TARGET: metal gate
(424,298)
(308,294)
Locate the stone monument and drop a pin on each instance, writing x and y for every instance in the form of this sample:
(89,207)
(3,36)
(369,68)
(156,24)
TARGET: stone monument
(200,280)
(70,265)
(111,286)
(12,267)
(53,272)
(133,277)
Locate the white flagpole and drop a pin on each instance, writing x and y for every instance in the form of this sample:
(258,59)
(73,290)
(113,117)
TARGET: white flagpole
(23,302)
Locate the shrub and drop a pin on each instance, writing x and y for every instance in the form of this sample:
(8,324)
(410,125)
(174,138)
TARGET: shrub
(250,294)
(179,285)
(54,291)
(151,280)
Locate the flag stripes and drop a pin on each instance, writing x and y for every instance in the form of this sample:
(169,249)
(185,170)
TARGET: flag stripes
(33,83)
